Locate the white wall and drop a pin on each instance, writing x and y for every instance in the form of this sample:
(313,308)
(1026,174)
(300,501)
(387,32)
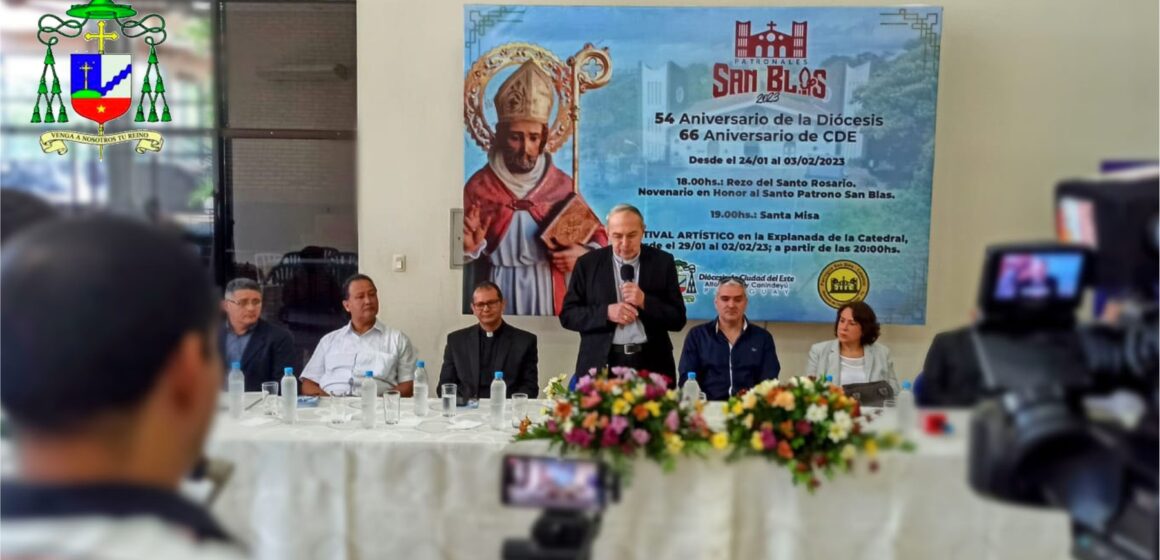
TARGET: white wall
(1030,91)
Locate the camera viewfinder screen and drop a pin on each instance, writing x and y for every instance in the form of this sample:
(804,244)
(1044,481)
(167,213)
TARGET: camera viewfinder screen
(544,482)
(1039,276)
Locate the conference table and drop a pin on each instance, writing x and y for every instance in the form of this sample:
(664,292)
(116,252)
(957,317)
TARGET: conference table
(429,488)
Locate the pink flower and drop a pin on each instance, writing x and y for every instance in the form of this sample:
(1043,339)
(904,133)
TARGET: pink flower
(659,380)
(590,401)
(621,371)
(640,436)
(579,437)
(553,427)
(584,382)
(803,428)
(618,424)
(673,421)
(768,441)
(610,438)
(653,392)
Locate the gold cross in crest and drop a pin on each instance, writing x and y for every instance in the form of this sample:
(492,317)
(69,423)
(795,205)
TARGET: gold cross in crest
(101,37)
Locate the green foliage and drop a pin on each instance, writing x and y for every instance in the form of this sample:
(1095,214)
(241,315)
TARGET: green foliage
(903,91)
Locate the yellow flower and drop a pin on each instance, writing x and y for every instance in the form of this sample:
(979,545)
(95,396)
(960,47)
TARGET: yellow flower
(725,408)
(629,396)
(621,407)
(653,407)
(736,410)
(871,448)
(674,443)
(748,421)
(755,441)
(719,440)
(671,395)
(749,400)
(849,452)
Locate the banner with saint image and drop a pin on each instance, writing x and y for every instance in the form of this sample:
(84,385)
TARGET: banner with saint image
(792,147)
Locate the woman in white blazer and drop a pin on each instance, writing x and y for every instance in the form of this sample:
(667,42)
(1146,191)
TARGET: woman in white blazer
(854,355)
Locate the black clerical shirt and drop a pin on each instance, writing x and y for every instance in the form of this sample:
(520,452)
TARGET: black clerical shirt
(488,364)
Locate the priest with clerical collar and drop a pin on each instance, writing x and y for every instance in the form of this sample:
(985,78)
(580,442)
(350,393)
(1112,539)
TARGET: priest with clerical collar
(474,354)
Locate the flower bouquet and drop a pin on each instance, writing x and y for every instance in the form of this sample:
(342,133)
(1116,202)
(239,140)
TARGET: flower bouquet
(619,414)
(804,424)
(557,387)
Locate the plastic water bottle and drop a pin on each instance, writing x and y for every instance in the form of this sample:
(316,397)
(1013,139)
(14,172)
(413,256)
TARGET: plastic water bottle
(289,396)
(367,391)
(498,401)
(691,391)
(907,410)
(237,387)
(420,393)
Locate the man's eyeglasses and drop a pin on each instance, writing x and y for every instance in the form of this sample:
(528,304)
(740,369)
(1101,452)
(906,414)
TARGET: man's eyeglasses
(483,305)
(246,302)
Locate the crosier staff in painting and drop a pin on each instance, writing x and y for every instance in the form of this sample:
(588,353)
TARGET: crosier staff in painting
(510,201)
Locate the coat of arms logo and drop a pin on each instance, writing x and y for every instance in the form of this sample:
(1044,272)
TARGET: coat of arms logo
(100,85)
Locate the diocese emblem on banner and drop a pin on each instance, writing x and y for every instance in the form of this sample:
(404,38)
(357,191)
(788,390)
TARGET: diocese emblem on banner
(687,280)
(842,282)
(100,84)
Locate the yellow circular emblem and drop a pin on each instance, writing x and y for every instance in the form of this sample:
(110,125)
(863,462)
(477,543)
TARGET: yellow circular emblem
(842,282)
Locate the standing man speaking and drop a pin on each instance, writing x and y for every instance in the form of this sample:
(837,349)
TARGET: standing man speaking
(623,300)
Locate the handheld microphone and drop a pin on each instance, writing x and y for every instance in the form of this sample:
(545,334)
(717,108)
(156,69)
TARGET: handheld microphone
(626,273)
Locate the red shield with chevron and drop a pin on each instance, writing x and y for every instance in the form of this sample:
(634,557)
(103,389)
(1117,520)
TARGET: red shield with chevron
(102,85)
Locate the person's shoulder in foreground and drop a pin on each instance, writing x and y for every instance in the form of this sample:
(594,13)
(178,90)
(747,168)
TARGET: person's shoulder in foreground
(107,421)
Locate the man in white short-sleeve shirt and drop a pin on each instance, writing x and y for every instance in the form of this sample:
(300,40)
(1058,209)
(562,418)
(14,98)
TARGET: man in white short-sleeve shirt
(365,344)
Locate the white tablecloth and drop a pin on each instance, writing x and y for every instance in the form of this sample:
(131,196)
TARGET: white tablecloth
(314,491)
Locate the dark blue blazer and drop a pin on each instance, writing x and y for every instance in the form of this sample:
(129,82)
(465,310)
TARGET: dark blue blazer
(270,350)
(722,372)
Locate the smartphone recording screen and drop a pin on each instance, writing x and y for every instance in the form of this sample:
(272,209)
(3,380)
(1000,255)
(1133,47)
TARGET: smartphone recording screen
(547,482)
(1039,276)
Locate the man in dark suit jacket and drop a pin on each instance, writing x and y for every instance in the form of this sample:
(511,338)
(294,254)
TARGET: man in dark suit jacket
(623,299)
(473,355)
(263,349)
(951,376)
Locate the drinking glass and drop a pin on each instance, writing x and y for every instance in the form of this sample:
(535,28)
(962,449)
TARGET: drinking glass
(449,400)
(519,408)
(391,403)
(339,412)
(270,398)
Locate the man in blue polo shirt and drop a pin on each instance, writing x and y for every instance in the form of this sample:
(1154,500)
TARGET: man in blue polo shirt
(729,354)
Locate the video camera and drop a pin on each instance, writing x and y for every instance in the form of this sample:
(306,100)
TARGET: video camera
(1069,417)
(573,494)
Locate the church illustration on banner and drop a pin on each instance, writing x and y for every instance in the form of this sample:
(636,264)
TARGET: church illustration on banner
(665,90)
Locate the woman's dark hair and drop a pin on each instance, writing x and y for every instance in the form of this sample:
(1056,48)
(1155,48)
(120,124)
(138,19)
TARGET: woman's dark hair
(865,317)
